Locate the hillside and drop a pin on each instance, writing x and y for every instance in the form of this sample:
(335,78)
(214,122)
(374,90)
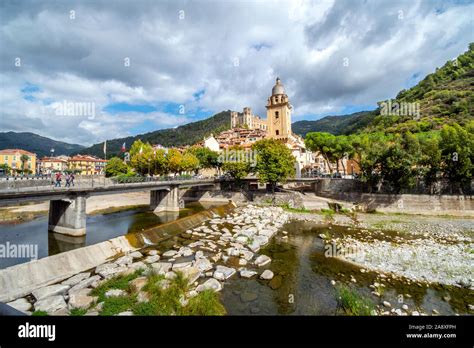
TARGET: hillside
(445,97)
(187,134)
(336,125)
(36,144)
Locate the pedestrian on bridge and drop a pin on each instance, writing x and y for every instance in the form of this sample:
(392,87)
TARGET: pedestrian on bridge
(71,179)
(68,180)
(58,179)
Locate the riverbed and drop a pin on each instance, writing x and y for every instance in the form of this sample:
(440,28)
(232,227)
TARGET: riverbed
(303,264)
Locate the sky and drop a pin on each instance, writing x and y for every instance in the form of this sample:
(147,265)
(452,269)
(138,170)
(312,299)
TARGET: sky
(86,71)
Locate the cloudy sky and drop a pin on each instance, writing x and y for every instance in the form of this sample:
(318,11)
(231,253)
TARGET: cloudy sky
(86,71)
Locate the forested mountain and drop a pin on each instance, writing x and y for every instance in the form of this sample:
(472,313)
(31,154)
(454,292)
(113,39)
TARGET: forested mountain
(37,144)
(187,134)
(337,125)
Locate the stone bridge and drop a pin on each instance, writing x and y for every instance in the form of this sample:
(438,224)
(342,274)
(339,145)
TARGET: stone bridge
(67,209)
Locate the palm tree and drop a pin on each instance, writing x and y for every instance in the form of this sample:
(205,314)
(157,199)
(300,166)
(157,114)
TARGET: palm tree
(24,159)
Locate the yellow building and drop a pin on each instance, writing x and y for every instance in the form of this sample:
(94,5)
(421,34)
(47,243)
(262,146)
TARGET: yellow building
(87,165)
(18,160)
(48,165)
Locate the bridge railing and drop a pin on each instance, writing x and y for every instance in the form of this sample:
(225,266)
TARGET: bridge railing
(99,182)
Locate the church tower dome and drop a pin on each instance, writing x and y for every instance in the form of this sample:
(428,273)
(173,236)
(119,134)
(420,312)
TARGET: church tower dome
(278,88)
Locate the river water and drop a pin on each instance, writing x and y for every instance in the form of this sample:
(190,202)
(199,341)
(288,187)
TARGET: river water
(303,275)
(100,227)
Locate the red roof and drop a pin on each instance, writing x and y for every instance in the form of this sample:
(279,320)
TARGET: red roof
(78,158)
(15,151)
(52,159)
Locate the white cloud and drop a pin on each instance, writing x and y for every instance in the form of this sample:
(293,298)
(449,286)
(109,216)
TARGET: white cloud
(303,42)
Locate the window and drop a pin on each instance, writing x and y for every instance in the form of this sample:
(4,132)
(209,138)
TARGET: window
(277,114)
(277,132)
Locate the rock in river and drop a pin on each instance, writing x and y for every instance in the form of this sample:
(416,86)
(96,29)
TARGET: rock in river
(48,291)
(81,299)
(76,279)
(267,274)
(262,260)
(223,272)
(20,304)
(245,273)
(51,304)
(210,284)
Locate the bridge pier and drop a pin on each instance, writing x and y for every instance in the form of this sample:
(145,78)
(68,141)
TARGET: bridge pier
(68,216)
(165,200)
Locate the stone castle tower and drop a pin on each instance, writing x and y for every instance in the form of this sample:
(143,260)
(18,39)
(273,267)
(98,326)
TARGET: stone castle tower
(279,113)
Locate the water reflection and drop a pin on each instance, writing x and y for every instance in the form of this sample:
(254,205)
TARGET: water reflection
(100,227)
(59,243)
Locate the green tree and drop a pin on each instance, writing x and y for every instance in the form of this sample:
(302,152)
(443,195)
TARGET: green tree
(6,168)
(207,158)
(399,162)
(457,155)
(368,152)
(189,162)
(24,159)
(115,166)
(159,162)
(430,158)
(175,161)
(275,162)
(234,163)
(141,155)
(324,143)
(342,148)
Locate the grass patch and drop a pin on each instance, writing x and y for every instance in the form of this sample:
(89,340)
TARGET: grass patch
(286,207)
(77,312)
(206,303)
(117,304)
(328,214)
(118,282)
(39,314)
(352,303)
(162,300)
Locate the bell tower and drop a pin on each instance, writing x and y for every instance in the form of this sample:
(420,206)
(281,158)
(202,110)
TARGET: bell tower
(278,113)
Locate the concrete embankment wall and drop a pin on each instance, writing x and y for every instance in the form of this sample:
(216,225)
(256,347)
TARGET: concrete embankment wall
(22,279)
(350,191)
(348,194)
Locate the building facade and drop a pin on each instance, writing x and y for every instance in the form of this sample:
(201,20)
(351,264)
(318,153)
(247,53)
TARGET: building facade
(18,160)
(48,165)
(247,120)
(87,165)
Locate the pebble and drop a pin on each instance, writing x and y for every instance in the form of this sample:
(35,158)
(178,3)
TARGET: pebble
(267,275)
